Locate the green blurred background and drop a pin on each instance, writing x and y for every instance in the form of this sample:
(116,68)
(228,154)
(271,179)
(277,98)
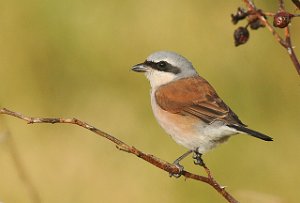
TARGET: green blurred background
(72,58)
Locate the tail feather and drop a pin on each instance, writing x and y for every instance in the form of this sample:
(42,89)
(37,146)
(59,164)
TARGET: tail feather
(251,132)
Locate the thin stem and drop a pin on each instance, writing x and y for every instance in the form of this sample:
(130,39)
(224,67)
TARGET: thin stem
(290,50)
(281,5)
(273,31)
(269,14)
(250,4)
(33,192)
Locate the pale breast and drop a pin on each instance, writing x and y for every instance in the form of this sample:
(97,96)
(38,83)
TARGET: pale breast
(183,129)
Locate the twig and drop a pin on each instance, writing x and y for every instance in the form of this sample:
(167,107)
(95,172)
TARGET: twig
(171,168)
(290,50)
(32,191)
(281,5)
(286,43)
(24,176)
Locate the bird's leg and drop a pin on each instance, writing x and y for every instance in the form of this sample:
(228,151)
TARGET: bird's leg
(177,164)
(198,159)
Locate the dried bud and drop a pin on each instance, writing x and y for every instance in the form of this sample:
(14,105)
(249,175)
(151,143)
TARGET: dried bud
(255,22)
(297,3)
(282,19)
(241,36)
(240,15)
(254,25)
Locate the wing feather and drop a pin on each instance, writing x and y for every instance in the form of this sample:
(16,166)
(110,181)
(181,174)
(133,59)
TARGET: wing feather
(195,96)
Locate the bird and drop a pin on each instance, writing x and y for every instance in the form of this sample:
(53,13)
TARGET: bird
(188,108)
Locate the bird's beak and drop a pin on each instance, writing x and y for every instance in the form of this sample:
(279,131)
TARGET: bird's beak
(140,68)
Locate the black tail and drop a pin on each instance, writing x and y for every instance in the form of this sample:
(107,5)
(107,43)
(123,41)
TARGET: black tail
(251,132)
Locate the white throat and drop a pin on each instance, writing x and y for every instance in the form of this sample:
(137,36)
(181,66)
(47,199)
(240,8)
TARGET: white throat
(157,78)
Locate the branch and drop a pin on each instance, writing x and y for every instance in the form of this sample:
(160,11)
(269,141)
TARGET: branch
(281,5)
(290,50)
(286,43)
(171,168)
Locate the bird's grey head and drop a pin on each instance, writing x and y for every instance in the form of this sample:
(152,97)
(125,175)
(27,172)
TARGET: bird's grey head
(163,67)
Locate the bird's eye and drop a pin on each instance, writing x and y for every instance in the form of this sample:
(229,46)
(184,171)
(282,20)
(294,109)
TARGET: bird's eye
(162,64)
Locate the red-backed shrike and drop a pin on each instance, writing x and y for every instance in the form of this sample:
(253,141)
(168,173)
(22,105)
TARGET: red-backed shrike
(187,107)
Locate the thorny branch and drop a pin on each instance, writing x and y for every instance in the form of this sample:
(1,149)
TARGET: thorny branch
(286,43)
(171,168)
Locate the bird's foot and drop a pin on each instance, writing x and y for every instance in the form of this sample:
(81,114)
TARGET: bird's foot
(198,158)
(180,167)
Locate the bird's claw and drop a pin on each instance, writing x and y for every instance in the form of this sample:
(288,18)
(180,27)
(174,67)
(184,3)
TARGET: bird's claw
(197,159)
(180,168)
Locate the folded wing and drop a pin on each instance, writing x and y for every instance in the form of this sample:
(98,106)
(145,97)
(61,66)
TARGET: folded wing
(195,96)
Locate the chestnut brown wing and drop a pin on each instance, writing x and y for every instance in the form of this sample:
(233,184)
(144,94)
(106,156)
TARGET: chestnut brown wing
(195,96)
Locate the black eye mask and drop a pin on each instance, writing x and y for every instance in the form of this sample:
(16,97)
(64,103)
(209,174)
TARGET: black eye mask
(163,66)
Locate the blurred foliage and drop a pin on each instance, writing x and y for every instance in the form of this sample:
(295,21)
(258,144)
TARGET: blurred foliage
(72,59)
